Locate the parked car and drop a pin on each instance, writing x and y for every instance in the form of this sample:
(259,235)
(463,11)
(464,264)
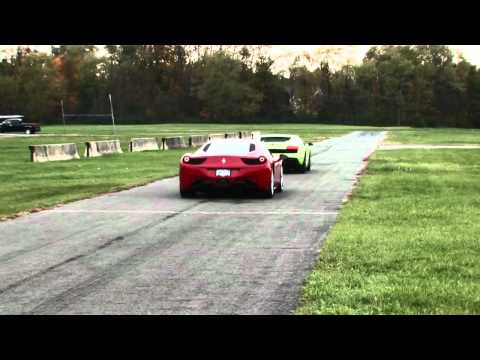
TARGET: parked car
(16,124)
(227,163)
(297,154)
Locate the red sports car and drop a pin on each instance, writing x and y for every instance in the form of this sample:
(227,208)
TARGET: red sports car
(228,163)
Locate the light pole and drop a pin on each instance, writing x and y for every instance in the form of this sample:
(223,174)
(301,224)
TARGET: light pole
(63,117)
(111,111)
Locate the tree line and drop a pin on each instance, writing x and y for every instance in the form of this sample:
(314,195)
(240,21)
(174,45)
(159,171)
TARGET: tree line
(393,86)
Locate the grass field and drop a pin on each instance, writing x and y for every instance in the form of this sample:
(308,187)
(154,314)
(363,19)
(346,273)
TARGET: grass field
(434,136)
(307,131)
(27,185)
(407,243)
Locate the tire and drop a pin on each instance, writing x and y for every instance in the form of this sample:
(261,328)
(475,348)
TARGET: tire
(303,167)
(309,162)
(186,194)
(271,191)
(281,187)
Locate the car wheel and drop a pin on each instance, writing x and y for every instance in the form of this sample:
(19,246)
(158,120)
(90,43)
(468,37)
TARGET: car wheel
(186,193)
(281,186)
(309,162)
(271,191)
(303,166)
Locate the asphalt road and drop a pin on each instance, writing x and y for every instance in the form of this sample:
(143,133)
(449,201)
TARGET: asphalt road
(147,251)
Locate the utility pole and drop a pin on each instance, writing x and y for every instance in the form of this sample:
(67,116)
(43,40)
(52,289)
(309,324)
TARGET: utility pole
(63,117)
(111,111)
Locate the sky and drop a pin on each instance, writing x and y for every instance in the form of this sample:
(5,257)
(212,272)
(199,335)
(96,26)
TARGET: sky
(285,54)
(350,54)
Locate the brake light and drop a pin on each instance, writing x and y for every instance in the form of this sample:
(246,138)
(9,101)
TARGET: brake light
(193,160)
(254,161)
(292,148)
(197,161)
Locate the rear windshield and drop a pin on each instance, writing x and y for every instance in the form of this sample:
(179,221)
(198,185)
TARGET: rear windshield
(275,139)
(229,148)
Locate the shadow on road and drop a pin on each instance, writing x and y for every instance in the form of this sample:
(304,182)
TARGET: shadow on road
(233,194)
(236,194)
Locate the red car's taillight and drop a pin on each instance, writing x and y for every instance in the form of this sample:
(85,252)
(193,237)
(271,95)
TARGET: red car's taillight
(254,161)
(292,148)
(193,161)
(197,161)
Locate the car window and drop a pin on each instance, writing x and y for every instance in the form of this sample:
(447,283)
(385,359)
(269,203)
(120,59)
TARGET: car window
(229,148)
(275,138)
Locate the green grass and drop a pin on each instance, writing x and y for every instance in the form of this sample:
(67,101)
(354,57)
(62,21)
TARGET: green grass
(435,136)
(408,241)
(27,185)
(307,131)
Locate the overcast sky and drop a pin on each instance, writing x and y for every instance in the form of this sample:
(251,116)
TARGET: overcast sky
(285,54)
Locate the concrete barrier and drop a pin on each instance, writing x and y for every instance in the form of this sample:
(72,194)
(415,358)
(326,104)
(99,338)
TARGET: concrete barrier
(232,135)
(53,152)
(143,144)
(198,140)
(216,136)
(104,147)
(177,142)
(255,135)
(244,134)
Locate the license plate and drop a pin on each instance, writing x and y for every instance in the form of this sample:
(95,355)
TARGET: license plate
(223,172)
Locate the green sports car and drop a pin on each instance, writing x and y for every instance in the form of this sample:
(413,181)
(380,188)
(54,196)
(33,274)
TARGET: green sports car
(296,153)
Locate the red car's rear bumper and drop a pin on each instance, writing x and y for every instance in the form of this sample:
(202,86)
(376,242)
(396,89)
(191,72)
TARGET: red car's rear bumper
(197,177)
